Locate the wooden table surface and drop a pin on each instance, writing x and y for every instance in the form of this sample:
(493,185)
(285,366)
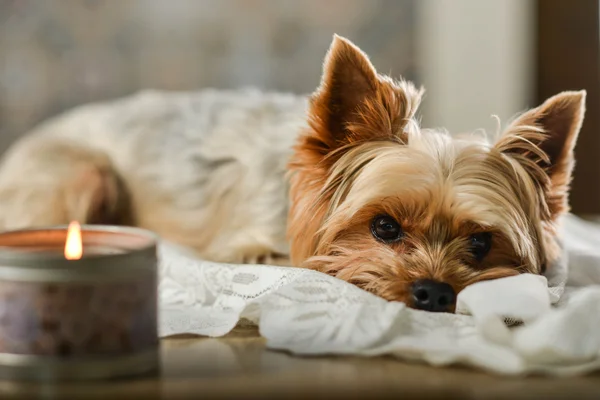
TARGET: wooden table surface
(239,366)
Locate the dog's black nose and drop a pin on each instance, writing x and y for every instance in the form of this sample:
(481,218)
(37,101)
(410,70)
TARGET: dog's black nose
(433,296)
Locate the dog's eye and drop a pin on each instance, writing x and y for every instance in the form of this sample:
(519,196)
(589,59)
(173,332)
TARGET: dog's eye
(386,229)
(481,243)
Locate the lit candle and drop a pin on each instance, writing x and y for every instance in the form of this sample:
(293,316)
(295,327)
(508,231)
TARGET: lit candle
(78,302)
(73,244)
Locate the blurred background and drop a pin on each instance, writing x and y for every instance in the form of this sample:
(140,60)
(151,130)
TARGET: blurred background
(476,58)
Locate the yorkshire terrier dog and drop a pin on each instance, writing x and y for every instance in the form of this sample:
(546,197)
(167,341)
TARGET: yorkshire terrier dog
(344,181)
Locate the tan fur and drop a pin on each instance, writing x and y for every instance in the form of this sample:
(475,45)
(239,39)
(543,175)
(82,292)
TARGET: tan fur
(208,171)
(439,189)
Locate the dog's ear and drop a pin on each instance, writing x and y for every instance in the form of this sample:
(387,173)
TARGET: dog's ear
(348,80)
(353,103)
(546,135)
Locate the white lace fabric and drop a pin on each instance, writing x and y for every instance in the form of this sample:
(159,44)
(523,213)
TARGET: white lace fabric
(309,313)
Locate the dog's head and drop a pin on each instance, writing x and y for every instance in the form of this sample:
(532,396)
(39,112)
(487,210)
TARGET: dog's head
(416,215)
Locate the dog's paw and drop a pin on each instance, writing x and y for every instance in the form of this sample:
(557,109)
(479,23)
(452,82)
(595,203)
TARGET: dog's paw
(267,259)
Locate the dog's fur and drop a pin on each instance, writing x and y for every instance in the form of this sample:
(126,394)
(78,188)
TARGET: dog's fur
(210,171)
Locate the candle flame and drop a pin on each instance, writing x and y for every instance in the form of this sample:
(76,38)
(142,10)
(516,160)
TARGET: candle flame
(74,245)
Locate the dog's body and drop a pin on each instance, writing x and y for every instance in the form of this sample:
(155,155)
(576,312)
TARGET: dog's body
(205,170)
(345,182)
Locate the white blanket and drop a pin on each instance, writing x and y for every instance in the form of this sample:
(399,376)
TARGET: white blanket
(555,327)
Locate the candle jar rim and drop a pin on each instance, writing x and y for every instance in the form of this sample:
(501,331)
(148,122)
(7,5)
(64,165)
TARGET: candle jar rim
(19,260)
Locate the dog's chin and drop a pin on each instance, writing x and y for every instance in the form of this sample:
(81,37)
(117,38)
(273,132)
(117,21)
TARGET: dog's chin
(417,286)
(405,293)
